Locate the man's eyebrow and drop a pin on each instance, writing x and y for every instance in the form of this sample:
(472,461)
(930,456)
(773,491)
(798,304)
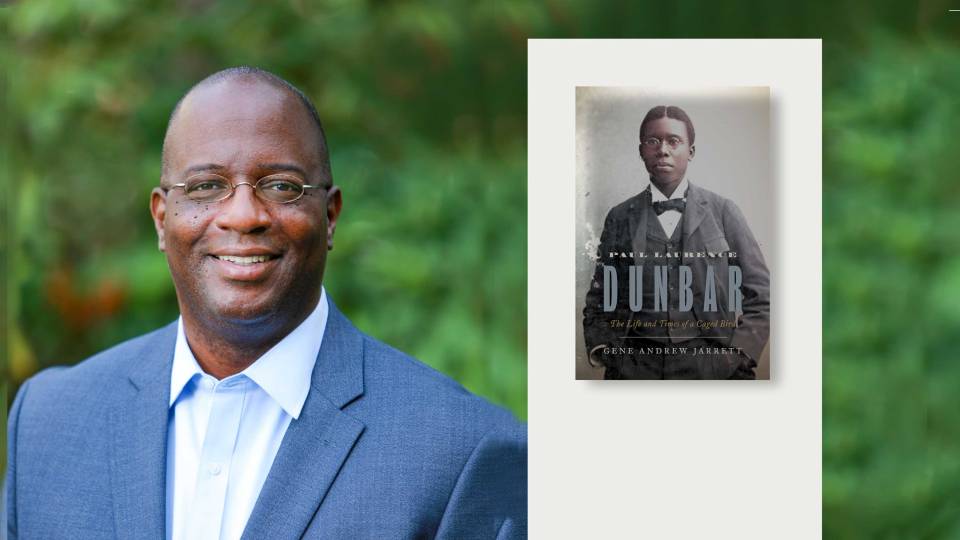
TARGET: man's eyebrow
(283,167)
(203,167)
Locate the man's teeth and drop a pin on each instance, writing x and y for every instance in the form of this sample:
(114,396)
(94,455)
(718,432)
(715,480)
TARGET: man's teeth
(244,260)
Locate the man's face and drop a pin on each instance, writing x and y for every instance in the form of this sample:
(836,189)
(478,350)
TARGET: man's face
(667,159)
(243,131)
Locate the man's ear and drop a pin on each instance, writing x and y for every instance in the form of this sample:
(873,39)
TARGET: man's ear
(158,209)
(693,150)
(334,205)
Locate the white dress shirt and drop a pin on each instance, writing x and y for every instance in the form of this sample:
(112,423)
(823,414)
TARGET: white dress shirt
(670,218)
(223,435)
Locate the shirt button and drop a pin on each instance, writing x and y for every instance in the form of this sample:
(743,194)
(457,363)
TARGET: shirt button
(215,469)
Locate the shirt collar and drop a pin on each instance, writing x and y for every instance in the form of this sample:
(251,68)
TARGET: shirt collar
(284,372)
(679,193)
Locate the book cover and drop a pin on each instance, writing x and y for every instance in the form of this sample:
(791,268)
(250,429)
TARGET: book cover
(674,224)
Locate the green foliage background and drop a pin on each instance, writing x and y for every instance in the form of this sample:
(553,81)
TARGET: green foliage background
(424,105)
(891,422)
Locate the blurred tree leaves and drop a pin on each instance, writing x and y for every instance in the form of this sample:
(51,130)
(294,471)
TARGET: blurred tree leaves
(891,278)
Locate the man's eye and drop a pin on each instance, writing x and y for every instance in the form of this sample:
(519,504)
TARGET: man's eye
(281,185)
(207,185)
(674,141)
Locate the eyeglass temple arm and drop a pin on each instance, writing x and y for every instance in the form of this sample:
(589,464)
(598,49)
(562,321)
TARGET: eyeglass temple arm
(184,186)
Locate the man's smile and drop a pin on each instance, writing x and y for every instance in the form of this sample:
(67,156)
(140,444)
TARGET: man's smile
(244,260)
(246,265)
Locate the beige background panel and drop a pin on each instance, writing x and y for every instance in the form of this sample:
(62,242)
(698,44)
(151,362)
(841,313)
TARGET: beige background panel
(672,459)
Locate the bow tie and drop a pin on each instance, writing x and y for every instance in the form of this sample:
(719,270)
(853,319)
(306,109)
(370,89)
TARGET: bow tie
(672,204)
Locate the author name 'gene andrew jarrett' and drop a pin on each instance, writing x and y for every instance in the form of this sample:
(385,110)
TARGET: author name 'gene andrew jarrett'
(693,351)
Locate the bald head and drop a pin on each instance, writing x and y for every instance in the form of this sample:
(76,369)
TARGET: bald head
(246,90)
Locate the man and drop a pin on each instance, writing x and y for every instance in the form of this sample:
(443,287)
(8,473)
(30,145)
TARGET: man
(680,290)
(262,412)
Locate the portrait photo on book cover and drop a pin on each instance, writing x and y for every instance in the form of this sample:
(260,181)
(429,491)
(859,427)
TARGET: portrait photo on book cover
(675,218)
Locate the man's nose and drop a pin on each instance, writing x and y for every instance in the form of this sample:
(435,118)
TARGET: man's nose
(243,211)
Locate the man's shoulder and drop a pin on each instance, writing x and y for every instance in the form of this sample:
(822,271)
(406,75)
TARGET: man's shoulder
(397,382)
(712,198)
(97,374)
(629,205)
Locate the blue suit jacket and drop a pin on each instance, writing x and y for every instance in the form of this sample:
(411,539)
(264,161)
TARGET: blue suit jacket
(385,447)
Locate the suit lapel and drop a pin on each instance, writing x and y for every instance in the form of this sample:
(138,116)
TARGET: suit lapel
(318,442)
(139,424)
(695,211)
(638,224)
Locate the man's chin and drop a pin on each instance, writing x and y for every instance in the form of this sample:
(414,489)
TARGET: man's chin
(249,317)
(244,314)
(247,325)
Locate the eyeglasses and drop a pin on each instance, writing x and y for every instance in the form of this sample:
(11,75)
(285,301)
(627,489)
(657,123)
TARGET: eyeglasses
(655,142)
(277,188)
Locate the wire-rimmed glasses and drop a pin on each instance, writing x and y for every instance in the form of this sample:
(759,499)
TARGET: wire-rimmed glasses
(277,188)
(654,142)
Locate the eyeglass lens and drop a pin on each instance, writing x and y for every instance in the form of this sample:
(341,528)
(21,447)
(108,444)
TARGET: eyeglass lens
(275,188)
(654,142)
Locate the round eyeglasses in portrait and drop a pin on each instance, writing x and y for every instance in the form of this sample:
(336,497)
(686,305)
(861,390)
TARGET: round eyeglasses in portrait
(656,142)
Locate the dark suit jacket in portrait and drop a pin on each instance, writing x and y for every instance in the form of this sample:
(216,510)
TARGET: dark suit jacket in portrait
(710,223)
(385,447)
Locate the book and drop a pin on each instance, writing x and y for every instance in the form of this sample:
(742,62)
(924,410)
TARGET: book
(674,216)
